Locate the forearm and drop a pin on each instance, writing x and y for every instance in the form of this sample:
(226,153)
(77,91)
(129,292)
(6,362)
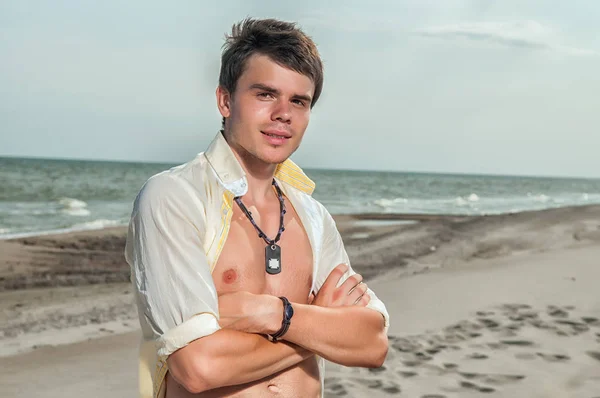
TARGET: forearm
(245,357)
(350,336)
(230,357)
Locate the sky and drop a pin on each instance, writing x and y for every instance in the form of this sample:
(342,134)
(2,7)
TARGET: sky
(485,87)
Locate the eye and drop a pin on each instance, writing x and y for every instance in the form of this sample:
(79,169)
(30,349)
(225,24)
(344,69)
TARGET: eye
(265,95)
(299,102)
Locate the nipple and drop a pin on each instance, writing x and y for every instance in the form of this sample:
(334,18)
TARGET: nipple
(229,276)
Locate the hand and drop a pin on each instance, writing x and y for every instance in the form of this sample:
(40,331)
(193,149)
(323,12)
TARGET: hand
(351,292)
(250,313)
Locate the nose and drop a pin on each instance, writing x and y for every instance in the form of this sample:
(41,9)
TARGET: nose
(282,112)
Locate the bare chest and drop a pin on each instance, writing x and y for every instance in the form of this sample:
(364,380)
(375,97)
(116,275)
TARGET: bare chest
(241,264)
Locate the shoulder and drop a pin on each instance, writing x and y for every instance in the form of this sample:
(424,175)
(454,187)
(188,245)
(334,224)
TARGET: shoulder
(179,185)
(319,212)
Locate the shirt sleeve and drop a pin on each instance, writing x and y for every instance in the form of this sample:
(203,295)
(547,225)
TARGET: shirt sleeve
(175,291)
(334,253)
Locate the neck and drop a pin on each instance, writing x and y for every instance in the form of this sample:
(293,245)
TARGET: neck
(259,175)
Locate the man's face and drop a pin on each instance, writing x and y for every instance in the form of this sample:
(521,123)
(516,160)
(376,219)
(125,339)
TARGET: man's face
(268,112)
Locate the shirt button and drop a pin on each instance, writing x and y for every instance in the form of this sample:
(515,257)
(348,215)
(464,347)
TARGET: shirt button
(243,185)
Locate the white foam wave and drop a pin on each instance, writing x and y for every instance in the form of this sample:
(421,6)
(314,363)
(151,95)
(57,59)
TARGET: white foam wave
(385,203)
(96,224)
(542,198)
(78,212)
(71,203)
(92,225)
(74,207)
(474,204)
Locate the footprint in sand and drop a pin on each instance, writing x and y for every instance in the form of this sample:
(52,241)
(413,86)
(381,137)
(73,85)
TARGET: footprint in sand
(489,323)
(556,312)
(485,313)
(375,384)
(423,356)
(515,325)
(514,307)
(496,379)
(333,386)
(594,354)
(472,386)
(450,366)
(392,388)
(406,373)
(404,344)
(497,346)
(576,327)
(590,320)
(378,370)
(553,357)
(477,355)
(386,386)
(521,343)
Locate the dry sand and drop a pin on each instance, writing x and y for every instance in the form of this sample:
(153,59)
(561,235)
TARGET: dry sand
(497,306)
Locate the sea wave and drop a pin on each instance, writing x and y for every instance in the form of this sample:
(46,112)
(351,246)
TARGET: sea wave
(475,204)
(97,224)
(87,226)
(74,207)
(389,202)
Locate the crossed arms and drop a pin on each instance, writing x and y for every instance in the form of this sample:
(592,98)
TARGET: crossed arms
(178,303)
(337,325)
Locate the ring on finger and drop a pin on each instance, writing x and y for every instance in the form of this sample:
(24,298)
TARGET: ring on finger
(358,299)
(354,288)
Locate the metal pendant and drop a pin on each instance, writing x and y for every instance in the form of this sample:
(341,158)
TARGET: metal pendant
(273,259)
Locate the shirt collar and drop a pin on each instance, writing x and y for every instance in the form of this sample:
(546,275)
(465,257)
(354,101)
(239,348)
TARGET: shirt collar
(231,174)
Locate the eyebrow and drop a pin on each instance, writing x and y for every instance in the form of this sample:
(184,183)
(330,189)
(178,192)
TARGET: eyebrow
(273,90)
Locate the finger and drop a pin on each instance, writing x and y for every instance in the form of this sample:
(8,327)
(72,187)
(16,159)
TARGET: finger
(357,300)
(351,283)
(357,293)
(334,277)
(311,298)
(364,300)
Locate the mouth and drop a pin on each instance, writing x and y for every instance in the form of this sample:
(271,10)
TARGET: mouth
(277,134)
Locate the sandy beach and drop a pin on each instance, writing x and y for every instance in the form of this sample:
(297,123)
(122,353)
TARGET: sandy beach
(494,306)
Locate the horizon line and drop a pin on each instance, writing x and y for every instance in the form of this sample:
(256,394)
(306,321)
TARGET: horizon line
(174,163)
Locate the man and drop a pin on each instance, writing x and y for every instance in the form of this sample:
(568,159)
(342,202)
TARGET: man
(243,283)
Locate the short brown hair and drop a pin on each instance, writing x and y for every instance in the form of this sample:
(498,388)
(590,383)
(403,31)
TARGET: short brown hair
(281,41)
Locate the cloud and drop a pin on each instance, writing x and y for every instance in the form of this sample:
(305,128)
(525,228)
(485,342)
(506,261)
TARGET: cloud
(520,34)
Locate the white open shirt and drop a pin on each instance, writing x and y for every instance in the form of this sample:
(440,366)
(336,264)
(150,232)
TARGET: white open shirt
(177,230)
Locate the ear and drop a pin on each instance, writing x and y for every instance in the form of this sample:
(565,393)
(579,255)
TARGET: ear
(223,101)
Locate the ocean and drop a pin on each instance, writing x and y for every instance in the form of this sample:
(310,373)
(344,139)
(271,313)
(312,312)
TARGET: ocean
(41,196)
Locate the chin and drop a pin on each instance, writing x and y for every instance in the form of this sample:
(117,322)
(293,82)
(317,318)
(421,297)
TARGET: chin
(274,159)
(275,155)
(279,156)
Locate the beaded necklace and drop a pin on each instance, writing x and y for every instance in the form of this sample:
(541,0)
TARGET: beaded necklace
(273,250)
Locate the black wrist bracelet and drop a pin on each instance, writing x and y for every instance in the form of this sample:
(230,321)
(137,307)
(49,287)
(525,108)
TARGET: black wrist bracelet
(288,312)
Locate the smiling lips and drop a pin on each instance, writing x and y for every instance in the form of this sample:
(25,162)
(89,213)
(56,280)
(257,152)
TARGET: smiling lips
(276,137)
(277,133)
